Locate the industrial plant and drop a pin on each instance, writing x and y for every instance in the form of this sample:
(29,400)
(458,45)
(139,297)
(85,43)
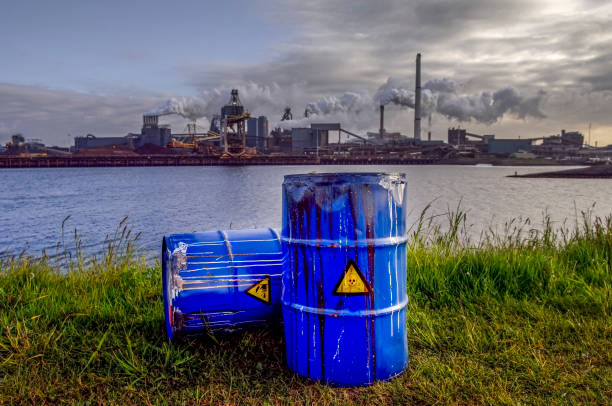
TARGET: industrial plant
(235,137)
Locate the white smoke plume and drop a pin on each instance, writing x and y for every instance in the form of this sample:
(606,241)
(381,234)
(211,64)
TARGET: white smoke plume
(349,102)
(295,123)
(441,96)
(191,108)
(352,109)
(265,99)
(358,110)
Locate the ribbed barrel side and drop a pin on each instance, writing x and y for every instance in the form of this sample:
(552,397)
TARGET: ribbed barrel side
(344,281)
(221,280)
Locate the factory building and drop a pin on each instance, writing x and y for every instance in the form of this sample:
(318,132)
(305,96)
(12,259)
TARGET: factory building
(31,147)
(309,140)
(428,143)
(457,136)
(251,134)
(299,141)
(565,144)
(572,138)
(303,139)
(568,143)
(17,138)
(386,137)
(91,141)
(262,132)
(509,146)
(257,132)
(151,133)
(464,140)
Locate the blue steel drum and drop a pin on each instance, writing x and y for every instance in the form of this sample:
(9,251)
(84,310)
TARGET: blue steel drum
(344,280)
(221,280)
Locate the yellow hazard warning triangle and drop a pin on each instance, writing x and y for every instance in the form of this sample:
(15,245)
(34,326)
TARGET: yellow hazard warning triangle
(351,282)
(261,290)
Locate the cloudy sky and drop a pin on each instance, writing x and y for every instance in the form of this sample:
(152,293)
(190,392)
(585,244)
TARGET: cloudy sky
(511,68)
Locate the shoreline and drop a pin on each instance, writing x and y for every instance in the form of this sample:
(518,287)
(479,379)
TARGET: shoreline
(195,160)
(591,172)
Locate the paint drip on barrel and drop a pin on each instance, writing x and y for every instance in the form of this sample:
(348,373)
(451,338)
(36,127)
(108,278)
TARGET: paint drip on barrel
(344,280)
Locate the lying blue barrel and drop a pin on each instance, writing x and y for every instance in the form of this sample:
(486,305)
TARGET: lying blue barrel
(221,280)
(344,279)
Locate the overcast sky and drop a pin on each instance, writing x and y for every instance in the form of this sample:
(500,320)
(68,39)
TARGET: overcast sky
(69,68)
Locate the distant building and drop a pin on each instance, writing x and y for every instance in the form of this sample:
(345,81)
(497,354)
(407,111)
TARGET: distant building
(257,132)
(302,139)
(386,137)
(572,138)
(251,133)
(567,144)
(509,146)
(19,145)
(465,140)
(17,138)
(91,141)
(306,140)
(457,136)
(279,141)
(262,132)
(151,133)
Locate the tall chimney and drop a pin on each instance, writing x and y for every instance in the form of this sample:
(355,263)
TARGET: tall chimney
(417,100)
(382,120)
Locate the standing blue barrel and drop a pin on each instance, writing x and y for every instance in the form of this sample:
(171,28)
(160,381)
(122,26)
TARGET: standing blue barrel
(221,280)
(344,280)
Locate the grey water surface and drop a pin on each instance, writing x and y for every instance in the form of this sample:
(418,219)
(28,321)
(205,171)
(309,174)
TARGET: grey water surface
(165,200)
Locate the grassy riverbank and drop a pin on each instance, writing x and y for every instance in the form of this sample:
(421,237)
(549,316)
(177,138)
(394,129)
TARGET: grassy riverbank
(519,317)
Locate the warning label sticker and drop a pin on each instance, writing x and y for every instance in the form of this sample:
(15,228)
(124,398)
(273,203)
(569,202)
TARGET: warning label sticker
(261,290)
(351,282)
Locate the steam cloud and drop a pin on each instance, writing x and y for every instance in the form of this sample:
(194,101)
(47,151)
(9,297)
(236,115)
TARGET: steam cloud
(264,98)
(191,108)
(440,95)
(349,102)
(359,109)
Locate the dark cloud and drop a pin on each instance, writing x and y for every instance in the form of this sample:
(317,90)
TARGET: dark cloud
(600,73)
(555,54)
(356,45)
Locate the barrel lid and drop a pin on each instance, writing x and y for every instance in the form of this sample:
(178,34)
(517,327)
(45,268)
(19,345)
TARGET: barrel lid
(342,177)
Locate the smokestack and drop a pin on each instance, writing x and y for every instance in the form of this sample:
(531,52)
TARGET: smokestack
(417,100)
(382,120)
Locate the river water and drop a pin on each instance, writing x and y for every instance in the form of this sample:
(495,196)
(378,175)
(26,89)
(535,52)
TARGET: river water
(165,200)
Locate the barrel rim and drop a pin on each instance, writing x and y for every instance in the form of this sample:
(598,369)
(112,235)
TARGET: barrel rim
(345,177)
(166,291)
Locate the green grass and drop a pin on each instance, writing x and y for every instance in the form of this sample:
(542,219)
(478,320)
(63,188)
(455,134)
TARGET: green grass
(519,316)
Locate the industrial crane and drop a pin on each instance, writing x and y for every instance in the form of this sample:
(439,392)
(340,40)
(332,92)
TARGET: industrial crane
(192,137)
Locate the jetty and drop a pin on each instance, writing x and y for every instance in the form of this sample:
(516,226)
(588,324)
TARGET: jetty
(603,171)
